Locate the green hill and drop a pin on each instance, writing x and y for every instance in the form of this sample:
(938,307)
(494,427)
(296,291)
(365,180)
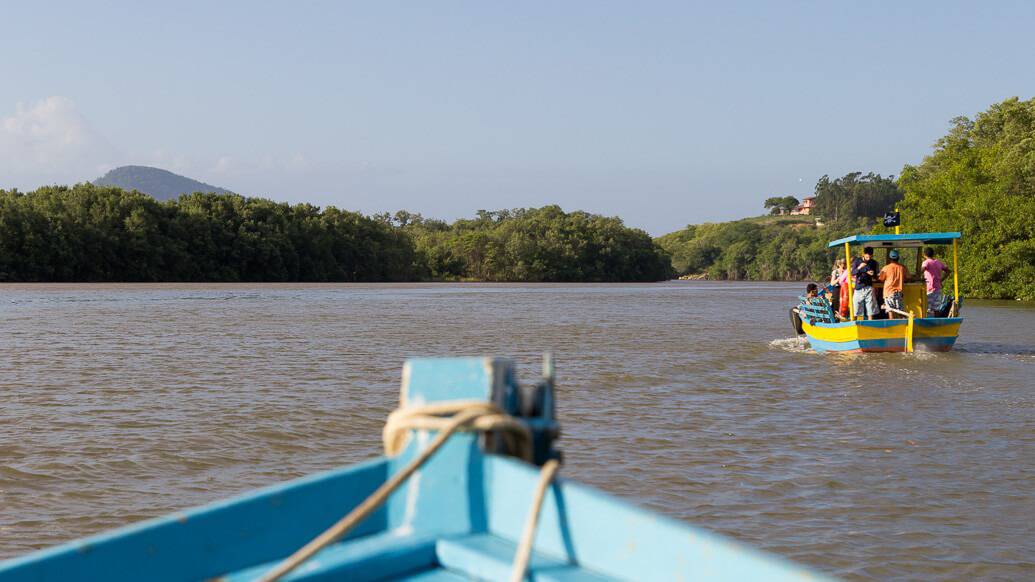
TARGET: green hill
(760,248)
(160,184)
(784,248)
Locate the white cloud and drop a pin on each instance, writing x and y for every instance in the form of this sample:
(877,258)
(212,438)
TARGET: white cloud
(166,160)
(50,142)
(230,166)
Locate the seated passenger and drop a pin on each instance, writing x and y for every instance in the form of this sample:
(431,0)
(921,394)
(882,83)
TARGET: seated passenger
(813,298)
(894,275)
(811,291)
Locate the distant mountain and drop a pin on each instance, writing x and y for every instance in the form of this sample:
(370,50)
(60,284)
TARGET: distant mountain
(162,184)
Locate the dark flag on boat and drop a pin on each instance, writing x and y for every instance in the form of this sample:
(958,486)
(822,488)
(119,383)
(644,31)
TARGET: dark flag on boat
(892,219)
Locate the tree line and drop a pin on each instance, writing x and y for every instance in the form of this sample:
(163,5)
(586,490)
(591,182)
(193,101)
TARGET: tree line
(94,233)
(752,249)
(535,244)
(784,248)
(980,180)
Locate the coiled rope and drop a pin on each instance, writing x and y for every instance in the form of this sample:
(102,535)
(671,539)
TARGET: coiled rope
(439,415)
(447,418)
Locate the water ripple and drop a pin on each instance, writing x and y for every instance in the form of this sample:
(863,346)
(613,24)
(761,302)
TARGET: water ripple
(122,402)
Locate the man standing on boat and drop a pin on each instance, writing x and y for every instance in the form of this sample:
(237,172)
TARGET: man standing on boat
(864,269)
(894,275)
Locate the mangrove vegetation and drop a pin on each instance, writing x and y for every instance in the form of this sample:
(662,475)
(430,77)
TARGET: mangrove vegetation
(101,233)
(980,180)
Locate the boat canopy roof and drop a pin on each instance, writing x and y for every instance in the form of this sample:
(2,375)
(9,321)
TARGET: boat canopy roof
(917,239)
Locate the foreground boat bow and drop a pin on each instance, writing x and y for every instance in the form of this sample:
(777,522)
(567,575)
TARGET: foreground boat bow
(457,518)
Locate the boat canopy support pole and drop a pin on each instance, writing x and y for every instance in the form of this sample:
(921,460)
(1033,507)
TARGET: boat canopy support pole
(955,272)
(909,332)
(851,282)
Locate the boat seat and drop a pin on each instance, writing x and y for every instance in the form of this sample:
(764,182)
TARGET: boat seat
(393,556)
(816,310)
(488,557)
(437,575)
(372,557)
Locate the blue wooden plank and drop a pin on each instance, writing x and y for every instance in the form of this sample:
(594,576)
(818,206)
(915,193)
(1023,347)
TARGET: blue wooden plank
(921,237)
(374,557)
(925,321)
(606,535)
(212,540)
(436,575)
(487,557)
(442,379)
(446,496)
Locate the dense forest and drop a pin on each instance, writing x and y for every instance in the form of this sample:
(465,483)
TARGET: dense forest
(100,233)
(979,180)
(535,244)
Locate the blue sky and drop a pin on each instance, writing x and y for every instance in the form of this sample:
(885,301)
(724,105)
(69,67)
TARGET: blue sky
(664,113)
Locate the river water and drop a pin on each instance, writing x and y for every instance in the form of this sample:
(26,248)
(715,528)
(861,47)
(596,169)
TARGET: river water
(122,402)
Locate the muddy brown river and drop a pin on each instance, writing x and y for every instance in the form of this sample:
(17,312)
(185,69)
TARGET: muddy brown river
(123,402)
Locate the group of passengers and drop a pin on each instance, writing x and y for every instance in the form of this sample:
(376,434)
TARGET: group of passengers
(865,271)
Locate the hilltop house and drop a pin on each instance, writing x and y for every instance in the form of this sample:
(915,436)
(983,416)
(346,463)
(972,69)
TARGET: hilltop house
(806,206)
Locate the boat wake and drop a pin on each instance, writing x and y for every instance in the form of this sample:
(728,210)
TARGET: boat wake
(791,344)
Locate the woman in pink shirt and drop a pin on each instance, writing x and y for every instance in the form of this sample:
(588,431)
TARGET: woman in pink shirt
(934,272)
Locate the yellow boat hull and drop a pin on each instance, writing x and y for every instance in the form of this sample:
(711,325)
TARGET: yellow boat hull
(934,334)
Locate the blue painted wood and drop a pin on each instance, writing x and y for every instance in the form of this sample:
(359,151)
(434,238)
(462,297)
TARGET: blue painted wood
(816,310)
(611,537)
(441,379)
(461,513)
(923,322)
(437,575)
(927,238)
(487,557)
(374,557)
(215,539)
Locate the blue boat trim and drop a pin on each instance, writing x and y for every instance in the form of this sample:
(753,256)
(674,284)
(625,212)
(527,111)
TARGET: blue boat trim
(919,322)
(928,238)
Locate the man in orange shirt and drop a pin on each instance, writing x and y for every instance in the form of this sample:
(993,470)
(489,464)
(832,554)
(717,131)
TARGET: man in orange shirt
(894,275)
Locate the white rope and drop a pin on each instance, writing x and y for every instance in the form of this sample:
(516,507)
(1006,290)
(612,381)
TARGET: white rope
(437,416)
(464,415)
(524,550)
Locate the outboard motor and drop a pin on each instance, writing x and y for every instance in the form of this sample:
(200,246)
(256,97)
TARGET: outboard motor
(796,321)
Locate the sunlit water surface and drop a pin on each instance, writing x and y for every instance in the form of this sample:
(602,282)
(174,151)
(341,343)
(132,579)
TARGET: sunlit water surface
(122,402)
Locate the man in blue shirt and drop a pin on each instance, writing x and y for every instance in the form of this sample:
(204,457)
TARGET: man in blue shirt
(864,269)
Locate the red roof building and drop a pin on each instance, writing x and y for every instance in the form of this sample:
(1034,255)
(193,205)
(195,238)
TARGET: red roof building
(806,206)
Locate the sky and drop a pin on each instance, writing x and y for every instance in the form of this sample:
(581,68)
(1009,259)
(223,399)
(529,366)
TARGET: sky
(663,113)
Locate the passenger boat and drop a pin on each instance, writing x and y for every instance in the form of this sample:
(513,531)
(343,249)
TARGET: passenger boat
(459,495)
(914,330)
